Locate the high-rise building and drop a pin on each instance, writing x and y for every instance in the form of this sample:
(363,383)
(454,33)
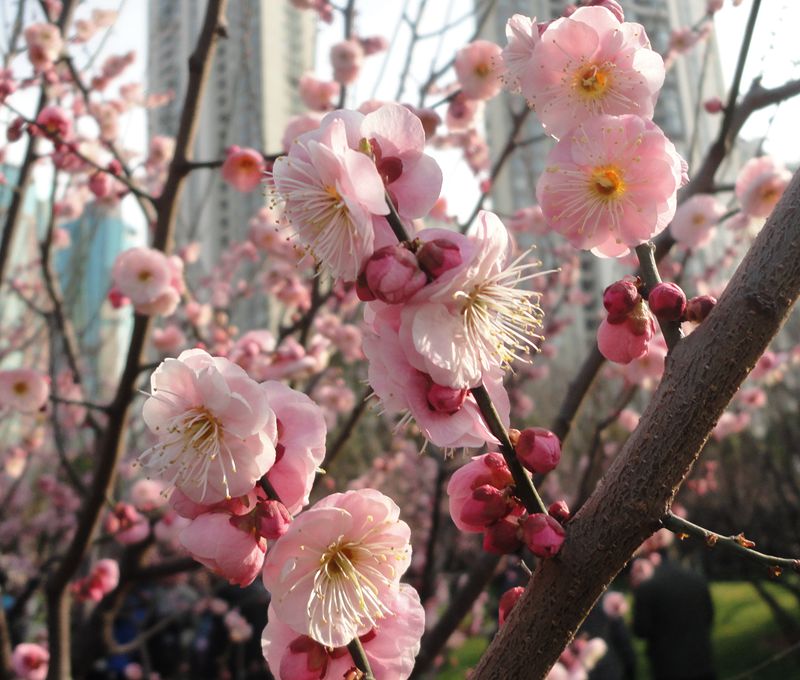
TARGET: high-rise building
(692,78)
(250,96)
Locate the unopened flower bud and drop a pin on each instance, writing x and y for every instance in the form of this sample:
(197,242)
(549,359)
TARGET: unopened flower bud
(507,602)
(713,105)
(543,535)
(272,519)
(559,510)
(438,256)
(698,308)
(619,299)
(487,505)
(391,275)
(15,129)
(667,301)
(502,538)
(444,399)
(117,298)
(538,450)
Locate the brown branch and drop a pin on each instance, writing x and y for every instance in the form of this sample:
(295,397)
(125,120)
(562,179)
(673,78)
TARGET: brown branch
(737,544)
(704,373)
(109,448)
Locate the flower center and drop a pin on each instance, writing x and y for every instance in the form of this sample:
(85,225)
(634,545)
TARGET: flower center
(20,387)
(144,275)
(607,182)
(483,70)
(592,81)
(500,321)
(698,219)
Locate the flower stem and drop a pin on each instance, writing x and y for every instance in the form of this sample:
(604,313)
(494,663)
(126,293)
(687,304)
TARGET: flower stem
(395,222)
(360,658)
(649,273)
(525,489)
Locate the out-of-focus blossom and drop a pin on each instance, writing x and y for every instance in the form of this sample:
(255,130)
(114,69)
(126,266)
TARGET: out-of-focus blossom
(478,66)
(760,184)
(23,389)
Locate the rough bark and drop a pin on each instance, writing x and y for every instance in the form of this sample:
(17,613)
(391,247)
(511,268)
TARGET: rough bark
(703,373)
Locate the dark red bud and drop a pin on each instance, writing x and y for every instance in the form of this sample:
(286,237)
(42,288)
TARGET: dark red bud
(619,299)
(507,602)
(438,256)
(667,301)
(502,538)
(698,308)
(539,450)
(444,399)
(559,510)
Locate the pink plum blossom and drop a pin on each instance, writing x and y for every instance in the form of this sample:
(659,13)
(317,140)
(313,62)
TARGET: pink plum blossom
(522,34)
(610,184)
(478,66)
(695,220)
(391,647)
(588,64)
(403,388)
(44,45)
(488,470)
(335,574)
(215,541)
(346,58)
(23,389)
(215,429)
(331,192)
(528,221)
(103,578)
(30,661)
(300,447)
(151,280)
(461,112)
(243,169)
(759,185)
(317,94)
(299,125)
(126,524)
(472,318)
(53,122)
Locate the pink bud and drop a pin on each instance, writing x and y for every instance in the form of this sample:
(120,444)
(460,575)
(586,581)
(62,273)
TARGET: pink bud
(14,130)
(713,105)
(502,538)
(538,450)
(444,399)
(272,519)
(667,301)
(620,344)
(438,256)
(559,510)
(507,602)
(487,505)
(619,299)
(117,299)
(392,275)
(698,308)
(542,534)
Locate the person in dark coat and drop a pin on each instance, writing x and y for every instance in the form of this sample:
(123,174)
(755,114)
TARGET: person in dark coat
(673,612)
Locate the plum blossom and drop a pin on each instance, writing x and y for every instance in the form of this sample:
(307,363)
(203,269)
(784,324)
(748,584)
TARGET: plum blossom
(346,58)
(215,429)
(151,280)
(23,389)
(591,63)
(30,661)
(522,34)
(317,94)
(448,417)
(391,647)
(331,192)
(243,169)
(214,540)
(478,67)
(334,180)
(696,219)
(300,447)
(335,574)
(610,184)
(760,184)
(44,45)
(472,318)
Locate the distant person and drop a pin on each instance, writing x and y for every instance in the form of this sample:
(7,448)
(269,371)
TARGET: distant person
(606,622)
(673,612)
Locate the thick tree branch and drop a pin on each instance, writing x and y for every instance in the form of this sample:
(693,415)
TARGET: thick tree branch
(702,376)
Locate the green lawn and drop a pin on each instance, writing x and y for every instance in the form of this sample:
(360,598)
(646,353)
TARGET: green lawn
(744,636)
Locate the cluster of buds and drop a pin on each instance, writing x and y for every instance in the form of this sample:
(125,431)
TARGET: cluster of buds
(482,499)
(624,335)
